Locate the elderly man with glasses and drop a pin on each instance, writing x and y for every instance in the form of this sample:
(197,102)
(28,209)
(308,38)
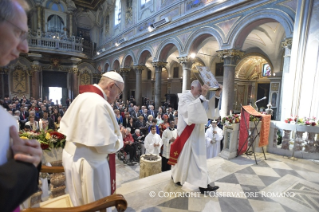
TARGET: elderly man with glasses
(19,173)
(92,134)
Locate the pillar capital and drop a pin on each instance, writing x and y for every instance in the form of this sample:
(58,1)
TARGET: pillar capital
(36,67)
(159,64)
(287,43)
(125,70)
(139,68)
(230,56)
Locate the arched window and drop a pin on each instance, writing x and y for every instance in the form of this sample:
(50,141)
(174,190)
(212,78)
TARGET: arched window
(55,23)
(143,2)
(117,12)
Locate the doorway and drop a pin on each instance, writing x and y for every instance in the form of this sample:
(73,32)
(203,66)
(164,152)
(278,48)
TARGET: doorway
(55,86)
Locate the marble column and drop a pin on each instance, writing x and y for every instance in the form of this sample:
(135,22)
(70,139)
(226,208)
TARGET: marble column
(125,72)
(75,81)
(70,24)
(158,80)
(230,57)
(35,69)
(286,44)
(187,66)
(39,17)
(138,90)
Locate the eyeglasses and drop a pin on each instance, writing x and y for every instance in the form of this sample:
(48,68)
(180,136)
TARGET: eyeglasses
(119,89)
(22,34)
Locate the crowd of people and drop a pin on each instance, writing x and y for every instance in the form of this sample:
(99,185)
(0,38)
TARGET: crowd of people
(34,114)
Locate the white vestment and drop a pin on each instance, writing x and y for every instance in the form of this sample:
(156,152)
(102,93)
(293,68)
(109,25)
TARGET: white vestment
(213,141)
(149,142)
(92,133)
(191,164)
(167,135)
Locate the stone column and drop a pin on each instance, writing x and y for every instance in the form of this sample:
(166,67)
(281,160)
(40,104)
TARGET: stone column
(158,79)
(125,72)
(138,90)
(230,57)
(287,45)
(35,69)
(187,66)
(75,83)
(39,17)
(70,24)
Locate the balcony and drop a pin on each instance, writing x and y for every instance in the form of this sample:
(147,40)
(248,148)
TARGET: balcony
(59,44)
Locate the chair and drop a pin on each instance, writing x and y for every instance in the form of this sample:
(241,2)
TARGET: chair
(116,200)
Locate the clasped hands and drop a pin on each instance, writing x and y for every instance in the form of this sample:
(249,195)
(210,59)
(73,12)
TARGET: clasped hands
(25,150)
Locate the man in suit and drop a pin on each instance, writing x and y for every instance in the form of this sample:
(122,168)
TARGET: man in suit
(170,114)
(23,117)
(141,125)
(50,121)
(19,174)
(135,113)
(145,114)
(152,112)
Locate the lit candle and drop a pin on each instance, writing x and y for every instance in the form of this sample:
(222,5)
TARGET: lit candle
(231,113)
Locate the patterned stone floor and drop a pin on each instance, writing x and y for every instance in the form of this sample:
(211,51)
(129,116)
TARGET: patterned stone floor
(276,184)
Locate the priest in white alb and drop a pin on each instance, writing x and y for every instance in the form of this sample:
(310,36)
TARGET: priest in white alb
(153,142)
(188,152)
(92,135)
(213,136)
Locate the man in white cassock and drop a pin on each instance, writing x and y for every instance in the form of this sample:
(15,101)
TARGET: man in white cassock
(153,142)
(190,160)
(92,133)
(213,137)
(168,137)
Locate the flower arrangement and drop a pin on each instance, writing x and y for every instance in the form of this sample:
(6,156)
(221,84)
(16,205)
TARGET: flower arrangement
(235,118)
(48,139)
(302,121)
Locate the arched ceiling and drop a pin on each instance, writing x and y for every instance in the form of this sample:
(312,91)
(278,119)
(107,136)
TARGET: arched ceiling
(250,67)
(267,37)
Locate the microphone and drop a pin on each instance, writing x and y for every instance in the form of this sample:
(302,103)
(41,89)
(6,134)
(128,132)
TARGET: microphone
(261,99)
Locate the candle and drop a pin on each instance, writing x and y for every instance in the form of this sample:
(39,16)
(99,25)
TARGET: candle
(231,113)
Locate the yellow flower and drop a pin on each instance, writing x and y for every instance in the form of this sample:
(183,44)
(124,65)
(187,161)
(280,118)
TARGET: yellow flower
(23,137)
(47,136)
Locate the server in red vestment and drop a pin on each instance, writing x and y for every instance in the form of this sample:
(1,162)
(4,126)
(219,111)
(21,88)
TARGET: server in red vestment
(92,135)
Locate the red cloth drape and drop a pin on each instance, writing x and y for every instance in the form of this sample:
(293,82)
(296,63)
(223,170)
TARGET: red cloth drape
(246,111)
(93,89)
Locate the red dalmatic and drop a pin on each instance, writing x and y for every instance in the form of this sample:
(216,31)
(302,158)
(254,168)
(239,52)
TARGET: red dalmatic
(93,89)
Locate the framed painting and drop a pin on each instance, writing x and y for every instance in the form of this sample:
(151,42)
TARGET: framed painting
(266,70)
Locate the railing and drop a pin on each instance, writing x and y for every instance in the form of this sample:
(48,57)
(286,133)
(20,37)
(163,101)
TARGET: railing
(56,41)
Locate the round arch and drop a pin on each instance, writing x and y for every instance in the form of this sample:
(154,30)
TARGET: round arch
(116,65)
(126,59)
(87,66)
(201,34)
(106,67)
(164,48)
(256,54)
(143,54)
(242,29)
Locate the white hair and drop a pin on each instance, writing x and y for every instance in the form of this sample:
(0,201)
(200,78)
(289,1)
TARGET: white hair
(195,83)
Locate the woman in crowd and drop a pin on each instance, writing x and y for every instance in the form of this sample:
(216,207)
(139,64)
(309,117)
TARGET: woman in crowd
(34,125)
(57,122)
(131,125)
(55,115)
(118,116)
(149,121)
(159,119)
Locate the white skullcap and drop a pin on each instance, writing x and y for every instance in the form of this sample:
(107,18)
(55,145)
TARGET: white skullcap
(114,76)
(214,121)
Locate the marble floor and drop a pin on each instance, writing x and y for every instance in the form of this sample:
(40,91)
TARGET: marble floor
(277,184)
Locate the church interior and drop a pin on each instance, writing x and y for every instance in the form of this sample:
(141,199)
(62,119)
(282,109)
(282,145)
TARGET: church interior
(264,53)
